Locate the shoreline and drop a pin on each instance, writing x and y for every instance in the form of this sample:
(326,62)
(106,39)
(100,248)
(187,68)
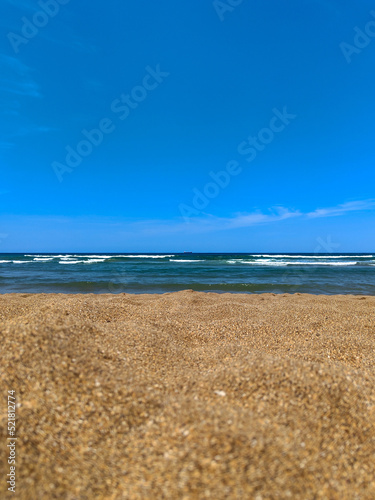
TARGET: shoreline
(187,290)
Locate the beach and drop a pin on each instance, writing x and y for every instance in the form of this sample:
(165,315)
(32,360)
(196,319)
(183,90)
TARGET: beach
(189,395)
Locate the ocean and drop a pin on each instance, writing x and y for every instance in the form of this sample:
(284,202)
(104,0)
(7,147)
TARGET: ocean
(206,272)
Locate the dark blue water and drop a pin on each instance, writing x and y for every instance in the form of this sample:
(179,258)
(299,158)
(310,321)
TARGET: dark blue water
(160,273)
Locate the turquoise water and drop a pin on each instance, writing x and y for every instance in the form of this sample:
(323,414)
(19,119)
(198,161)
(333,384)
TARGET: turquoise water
(160,273)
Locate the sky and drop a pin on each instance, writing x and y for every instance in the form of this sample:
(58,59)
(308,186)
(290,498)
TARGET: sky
(189,125)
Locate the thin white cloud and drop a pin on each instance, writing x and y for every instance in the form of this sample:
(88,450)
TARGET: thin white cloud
(70,39)
(7,140)
(207,223)
(344,208)
(277,214)
(29,89)
(123,230)
(31,130)
(15,64)
(17,86)
(16,79)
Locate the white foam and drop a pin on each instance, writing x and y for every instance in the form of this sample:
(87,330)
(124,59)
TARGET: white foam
(37,255)
(322,263)
(70,262)
(94,256)
(43,259)
(92,261)
(314,256)
(21,261)
(266,262)
(146,256)
(4,261)
(185,260)
(283,263)
(275,264)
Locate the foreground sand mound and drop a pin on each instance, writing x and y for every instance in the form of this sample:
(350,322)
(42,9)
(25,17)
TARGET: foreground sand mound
(190,395)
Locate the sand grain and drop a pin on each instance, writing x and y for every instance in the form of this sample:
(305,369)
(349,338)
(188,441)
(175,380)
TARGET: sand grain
(190,395)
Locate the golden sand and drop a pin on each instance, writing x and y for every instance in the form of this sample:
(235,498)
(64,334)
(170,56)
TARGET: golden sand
(190,396)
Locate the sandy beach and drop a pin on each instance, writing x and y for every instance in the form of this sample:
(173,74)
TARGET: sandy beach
(190,395)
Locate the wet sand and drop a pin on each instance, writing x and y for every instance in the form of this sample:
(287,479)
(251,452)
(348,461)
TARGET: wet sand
(190,396)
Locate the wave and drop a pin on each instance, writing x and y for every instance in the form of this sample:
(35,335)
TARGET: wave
(99,256)
(266,262)
(92,261)
(36,255)
(22,261)
(315,256)
(322,263)
(94,256)
(257,263)
(145,256)
(43,259)
(297,263)
(89,261)
(44,256)
(186,260)
(275,264)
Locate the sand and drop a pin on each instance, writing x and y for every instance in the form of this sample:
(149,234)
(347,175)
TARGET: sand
(190,396)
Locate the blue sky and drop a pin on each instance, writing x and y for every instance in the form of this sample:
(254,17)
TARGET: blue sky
(277,95)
